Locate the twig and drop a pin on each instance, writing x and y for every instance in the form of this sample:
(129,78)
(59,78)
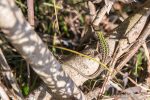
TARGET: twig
(102,12)
(28,70)
(92,10)
(30,4)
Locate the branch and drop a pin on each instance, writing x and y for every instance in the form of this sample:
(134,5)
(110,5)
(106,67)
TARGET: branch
(35,52)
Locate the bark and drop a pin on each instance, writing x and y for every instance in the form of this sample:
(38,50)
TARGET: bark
(35,52)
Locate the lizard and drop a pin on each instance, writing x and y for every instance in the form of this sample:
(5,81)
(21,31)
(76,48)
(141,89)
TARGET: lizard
(104,49)
(104,53)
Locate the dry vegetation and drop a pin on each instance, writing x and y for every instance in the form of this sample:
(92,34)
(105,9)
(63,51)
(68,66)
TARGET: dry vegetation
(66,28)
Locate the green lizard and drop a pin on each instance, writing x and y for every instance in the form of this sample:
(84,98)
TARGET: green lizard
(104,48)
(104,52)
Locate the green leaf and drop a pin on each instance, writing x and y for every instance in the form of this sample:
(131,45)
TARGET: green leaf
(25,89)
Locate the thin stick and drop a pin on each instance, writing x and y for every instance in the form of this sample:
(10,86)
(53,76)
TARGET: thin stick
(30,4)
(9,75)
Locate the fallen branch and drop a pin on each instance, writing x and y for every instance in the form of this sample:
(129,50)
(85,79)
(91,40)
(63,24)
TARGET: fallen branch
(35,52)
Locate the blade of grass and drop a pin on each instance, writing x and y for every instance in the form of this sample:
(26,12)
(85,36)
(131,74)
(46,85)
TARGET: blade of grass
(83,55)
